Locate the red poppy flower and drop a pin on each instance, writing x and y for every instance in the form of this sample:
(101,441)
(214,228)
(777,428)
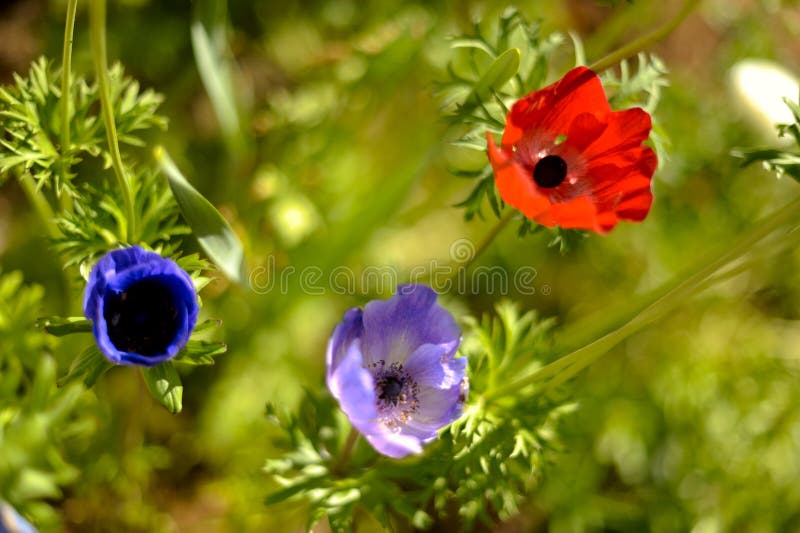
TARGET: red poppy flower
(567,159)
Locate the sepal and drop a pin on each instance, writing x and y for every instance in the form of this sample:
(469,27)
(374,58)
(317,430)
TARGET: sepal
(88,366)
(165,385)
(60,326)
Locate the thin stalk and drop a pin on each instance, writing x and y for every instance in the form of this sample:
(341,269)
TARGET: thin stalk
(790,242)
(645,41)
(66,92)
(39,203)
(663,300)
(347,451)
(490,237)
(97,21)
(487,240)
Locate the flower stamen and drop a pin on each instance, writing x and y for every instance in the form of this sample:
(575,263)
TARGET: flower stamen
(396,394)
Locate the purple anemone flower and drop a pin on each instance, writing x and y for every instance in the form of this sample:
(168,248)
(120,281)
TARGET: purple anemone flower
(393,370)
(143,307)
(12,522)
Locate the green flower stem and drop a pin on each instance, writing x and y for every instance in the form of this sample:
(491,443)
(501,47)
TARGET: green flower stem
(39,203)
(645,41)
(347,451)
(486,241)
(66,91)
(97,21)
(659,302)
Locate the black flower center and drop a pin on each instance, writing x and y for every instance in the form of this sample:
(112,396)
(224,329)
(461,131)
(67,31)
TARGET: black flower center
(142,319)
(550,171)
(390,388)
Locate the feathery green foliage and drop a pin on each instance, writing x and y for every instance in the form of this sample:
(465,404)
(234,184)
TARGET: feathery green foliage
(777,160)
(97,221)
(37,419)
(490,69)
(30,117)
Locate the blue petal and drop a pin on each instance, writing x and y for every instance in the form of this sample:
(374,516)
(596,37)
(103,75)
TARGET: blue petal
(107,268)
(394,328)
(349,329)
(118,270)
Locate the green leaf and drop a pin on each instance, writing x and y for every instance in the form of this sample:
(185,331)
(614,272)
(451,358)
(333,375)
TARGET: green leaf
(215,73)
(165,385)
(34,484)
(778,161)
(794,107)
(30,119)
(60,326)
(200,352)
(89,365)
(206,325)
(215,235)
(42,383)
(499,73)
(291,490)
(473,42)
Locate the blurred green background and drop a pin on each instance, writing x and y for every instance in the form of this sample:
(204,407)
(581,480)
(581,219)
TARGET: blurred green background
(338,159)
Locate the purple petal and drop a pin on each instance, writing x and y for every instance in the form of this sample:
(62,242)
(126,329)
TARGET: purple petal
(395,445)
(394,328)
(354,387)
(412,329)
(425,432)
(11,521)
(439,406)
(348,330)
(431,365)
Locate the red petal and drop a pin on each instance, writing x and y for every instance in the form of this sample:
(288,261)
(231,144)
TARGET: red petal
(625,130)
(578,213)
(554,107)
(516,186)
(585,130)
(635,203)
(618,168)
(624,189)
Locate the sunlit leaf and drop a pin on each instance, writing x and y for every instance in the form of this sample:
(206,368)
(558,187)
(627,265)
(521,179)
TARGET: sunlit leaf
(165,385)
(60,326)
(213,232)
(200,352)
(89,366)
(216,77)
(499,73)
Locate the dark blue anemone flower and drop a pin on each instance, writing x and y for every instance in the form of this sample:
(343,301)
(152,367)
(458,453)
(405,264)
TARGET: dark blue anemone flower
(143,307)
(393,370)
